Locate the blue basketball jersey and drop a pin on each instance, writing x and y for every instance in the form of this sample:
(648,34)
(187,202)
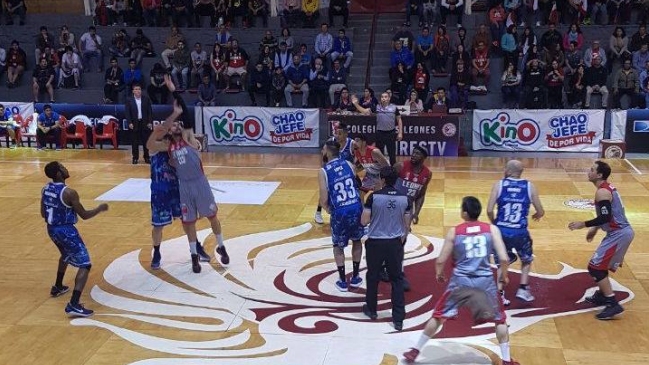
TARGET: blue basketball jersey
(341,185)
(514,199)
(346,152)
(57,213)
(163,175)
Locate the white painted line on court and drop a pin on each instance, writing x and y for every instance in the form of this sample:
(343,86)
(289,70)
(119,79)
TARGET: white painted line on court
(633,166)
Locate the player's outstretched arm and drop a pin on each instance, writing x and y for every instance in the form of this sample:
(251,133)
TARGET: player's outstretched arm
(71,198)
(156,141)
(175,114)
(380,158)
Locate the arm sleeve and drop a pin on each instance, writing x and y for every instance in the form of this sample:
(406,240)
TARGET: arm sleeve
(603,209)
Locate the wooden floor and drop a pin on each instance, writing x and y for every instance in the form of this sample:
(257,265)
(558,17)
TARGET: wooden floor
(35,330)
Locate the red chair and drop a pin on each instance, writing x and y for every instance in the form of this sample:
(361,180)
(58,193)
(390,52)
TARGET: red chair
(25,131)
(109,133)
(79,133)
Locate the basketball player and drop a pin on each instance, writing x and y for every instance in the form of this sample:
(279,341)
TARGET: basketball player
(346,153)
(196,198)
(609,256)
(414,177)
(165,196)
(472,282)
(371,159)
(340,197)
(514,197)
(60,206)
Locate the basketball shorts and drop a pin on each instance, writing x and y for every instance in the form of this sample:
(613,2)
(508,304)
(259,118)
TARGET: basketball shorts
(522,243)
(165,206)
(196,200)
(370,182)
(69,242)
(479,294)
(345,226)
(610,252)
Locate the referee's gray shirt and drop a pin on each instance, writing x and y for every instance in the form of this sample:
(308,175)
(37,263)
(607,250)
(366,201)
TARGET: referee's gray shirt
(386,117)
(388,206)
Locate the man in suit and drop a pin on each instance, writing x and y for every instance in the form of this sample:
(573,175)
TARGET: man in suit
(139,114)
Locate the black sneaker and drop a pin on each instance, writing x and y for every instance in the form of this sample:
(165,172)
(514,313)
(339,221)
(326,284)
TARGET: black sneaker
(398,325)
(597,299)
(155,261)
(610,311)
(202,255)
(196,265)
(366,311)
(225,258)
(57,291)
(77,310)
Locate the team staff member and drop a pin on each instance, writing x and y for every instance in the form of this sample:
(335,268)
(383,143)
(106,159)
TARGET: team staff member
(139,113)
(389,127)
(388,214)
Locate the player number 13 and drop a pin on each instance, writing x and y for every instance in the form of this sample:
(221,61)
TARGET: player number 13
(475,246)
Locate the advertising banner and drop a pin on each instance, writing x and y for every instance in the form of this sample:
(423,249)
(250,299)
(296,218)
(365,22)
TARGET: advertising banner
(538,130)
(23,109)
(632,126)
(439,135)
(266,127)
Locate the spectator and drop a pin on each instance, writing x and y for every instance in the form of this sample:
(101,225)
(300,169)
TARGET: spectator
(618,49)
(460,38)
(619,11)
(481,35)
(509,45)
(573,35)
(237,61)
(297,78)
(441,51)
(337,80)
(413,6)
(575,9)
(43,78)
(291,13)
(310,13)
(180,67)
(278,83)
(437,100)
(171,44)
(555,54)
(405,36)
(132,76)
(318,84)
(150,11)
(260,83)
(577,96)
(460,54)
(268,41)
(8,125)
(344,102)
(206,92)
(596,76)
(3,60)
(550,37)
(534,54)
(527,40)
(70,67)
(140,46)
(639,38)
(15,8)
(598,12)
(497,18)
(305,56)
(238,8)
(414,105)
(283,58)
(534,88)
(324,42)
(90,47)
(554,84)
(113,82)
(43,39)
(217,62)
(429,12)
(52,60)
(641,57)
(204,8)
(223,36)
(257,9)
(459,89)
(453,7)
(287,38)
(181,12)
(573,59)
(66,38)
(267,58)
(421,80)
(157,85)
(511,82)
(49,124)
(424,46)
(644,85)
(542,14)
(518,8)
(338,7)
(480,67)
(626,82)
(199,65)
(401,54)
(120,44)
(342,49)
(594,51)
(368,101)
(400,79)
(221,11)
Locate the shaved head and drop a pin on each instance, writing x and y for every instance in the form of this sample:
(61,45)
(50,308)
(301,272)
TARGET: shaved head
(514,168)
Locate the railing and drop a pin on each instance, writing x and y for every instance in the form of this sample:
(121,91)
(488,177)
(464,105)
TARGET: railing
(370,55)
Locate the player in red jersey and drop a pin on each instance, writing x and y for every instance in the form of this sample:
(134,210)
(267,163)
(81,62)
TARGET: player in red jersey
(414,177)
(371,160)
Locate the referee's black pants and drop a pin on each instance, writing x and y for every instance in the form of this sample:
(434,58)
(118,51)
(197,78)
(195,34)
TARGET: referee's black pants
(387,139)
(390,251)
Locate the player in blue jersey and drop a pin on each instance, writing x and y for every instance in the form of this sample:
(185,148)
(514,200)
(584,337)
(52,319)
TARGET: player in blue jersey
(340,197)
(347,146)
(472,283)
(60,206)
(514,197)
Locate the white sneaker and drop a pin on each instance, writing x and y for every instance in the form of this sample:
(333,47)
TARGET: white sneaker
(538,24)
(524,295)
(318,217)
(506,302)
(473,88)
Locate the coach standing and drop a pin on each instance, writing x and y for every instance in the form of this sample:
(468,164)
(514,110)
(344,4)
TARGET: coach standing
(388,213)
(389,127)
(139,114)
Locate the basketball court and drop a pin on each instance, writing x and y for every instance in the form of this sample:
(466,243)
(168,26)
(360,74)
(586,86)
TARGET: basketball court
(276,302)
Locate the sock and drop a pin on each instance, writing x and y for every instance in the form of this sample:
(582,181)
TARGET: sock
(192,248)
(341,272)
(502,292)
(611,299)
(219,239)
(422,341)
(319,210)
(156,250)
(76,294)
(524,286)
(357,265)
(504,350)
(59,279)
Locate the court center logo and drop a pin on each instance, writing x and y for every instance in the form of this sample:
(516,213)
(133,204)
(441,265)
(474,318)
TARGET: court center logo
(276,304)
(231,127)
(569,130)
(504,131)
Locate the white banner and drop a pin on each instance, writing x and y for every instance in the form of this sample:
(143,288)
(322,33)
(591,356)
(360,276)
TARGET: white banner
(538,130)
(253,126)
(618,124)
(23,109)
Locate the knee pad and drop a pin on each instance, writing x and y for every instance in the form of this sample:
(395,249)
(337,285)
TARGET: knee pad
(598,275)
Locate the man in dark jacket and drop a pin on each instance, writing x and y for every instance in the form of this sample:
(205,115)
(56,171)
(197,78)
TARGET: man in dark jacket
(596,76)
(139,114)
(259,84)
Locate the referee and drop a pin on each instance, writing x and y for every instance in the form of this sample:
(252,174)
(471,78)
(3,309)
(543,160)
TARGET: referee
(388,213)
(389,127)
